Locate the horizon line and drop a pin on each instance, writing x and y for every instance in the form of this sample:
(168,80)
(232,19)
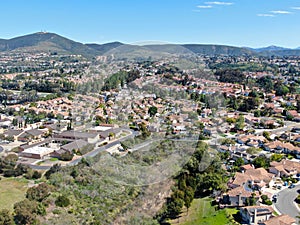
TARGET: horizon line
(156,42)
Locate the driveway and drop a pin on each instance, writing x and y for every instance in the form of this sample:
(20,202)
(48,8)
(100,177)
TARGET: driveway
(285,201)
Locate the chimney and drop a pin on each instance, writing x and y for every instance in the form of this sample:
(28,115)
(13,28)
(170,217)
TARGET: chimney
(255,215)
(240,201)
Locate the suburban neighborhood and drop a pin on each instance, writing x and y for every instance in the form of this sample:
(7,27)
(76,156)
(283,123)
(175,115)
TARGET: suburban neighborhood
(59,112)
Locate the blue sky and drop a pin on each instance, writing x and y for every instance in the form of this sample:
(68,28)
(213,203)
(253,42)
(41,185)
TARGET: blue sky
(252,23)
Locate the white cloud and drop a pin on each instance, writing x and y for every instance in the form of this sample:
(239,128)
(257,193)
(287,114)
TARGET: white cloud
(280,12)
(266,15)
(219,3)
(297,8)
(204,6)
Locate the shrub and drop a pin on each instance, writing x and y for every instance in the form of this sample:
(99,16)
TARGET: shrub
(36,175)
(266,200)
(298,199)
(38,193)
(62,201)
(66,156)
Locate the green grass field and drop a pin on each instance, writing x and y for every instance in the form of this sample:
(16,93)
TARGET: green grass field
(11,191)
(202,213)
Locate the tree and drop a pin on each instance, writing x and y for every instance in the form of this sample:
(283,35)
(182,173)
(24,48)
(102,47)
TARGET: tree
(41,210)
(25,212)
(239,162)
(175,207)
(224,155)
(6,218)
(15,122)
(266,82)
(230,76)
(289,117)
(253,150)
(298,199)
(11,159)
(36,175)
(38,193)
(253,94)
(251,200)
(240,123)
(152,110)
(211,182)
(66,156)
(281,90)
(62,201)
(21,169)
(189,193)
(227,141)
(111,135)
(267,135)
(69,126)
(144,130)
(298,105)
(266,200)
(257,113)
(261,161)
(276,157)
(230,120)
(55,168)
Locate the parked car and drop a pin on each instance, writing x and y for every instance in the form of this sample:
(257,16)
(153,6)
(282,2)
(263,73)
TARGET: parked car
(292,186)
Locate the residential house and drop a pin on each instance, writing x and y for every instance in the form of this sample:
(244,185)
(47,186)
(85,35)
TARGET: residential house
(5,122)
(251,140)
(282,147)
(292,113)
(280,220)
(36,152)
(247,167)
(32,135)
(278,111)
(75,135)
(255,215)
(237,197)
(252,120)
(254,178)
(13,133)
(70,148)
(284,168)
(110,134)
(74,146)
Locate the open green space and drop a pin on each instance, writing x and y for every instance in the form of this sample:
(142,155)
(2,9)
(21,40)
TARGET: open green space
(12,190)
(202,212)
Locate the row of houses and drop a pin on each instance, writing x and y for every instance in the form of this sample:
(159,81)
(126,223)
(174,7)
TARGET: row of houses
(67,142)
(263,215)
(252,183)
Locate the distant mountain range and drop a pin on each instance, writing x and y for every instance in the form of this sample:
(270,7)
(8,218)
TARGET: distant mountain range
(51,42)
(270,49)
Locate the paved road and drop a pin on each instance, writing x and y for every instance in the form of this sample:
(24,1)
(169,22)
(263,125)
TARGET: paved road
(288,125)
(285,203)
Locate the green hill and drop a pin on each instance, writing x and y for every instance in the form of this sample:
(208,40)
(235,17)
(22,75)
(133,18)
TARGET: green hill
(102,49)
(51,42)
(44,41)
(218,50)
